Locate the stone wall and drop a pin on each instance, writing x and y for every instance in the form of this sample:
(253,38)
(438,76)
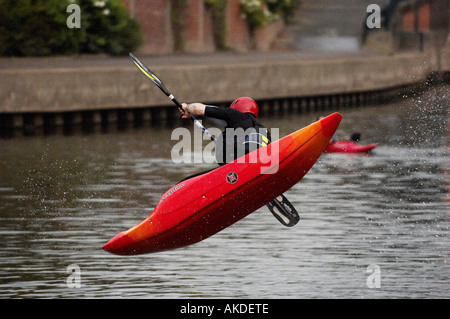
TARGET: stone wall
(96,88)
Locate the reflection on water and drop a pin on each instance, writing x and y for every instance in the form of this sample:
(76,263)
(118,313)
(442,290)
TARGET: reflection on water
(63,197)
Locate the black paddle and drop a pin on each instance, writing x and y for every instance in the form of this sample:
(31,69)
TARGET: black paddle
(282,209)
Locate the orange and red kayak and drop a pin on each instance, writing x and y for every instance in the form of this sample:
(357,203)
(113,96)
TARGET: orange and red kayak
(199,207)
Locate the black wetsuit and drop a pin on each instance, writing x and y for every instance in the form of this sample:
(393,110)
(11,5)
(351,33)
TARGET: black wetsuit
(226,149)
(247,133)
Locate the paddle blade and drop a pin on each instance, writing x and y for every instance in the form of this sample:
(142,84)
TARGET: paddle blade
(149,74)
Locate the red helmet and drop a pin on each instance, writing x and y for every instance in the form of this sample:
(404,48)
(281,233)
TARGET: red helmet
(245,105)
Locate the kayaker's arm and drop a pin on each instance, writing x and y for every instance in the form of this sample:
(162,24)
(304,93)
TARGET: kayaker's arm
(200,109)
(218,113)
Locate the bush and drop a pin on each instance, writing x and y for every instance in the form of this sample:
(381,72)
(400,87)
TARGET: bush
(38,27)
(285,8)
(34,28)
(108,27)
(258,13)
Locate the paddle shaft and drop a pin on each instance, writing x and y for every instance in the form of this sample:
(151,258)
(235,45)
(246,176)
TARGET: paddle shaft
(152,77)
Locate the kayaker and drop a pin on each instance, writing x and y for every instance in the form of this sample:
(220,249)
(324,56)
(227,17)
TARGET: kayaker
(241,114)
(355,137)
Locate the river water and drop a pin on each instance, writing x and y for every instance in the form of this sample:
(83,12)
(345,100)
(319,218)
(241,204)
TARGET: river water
(373,226)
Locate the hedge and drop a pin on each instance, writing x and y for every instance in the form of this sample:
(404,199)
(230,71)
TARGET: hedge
(39,27)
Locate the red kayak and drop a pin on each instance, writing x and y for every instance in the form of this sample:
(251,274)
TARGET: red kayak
(349,147)
(201,206)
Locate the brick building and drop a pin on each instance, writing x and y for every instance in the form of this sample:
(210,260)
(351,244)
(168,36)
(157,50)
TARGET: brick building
(422,24)
(197,36)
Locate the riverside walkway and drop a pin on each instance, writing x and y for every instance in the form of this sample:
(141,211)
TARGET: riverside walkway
(91,83)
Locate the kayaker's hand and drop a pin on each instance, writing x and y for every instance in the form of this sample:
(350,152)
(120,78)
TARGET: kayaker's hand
(185,112)
(197,109)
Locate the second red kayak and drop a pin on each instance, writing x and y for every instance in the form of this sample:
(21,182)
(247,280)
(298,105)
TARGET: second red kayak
(349,147)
